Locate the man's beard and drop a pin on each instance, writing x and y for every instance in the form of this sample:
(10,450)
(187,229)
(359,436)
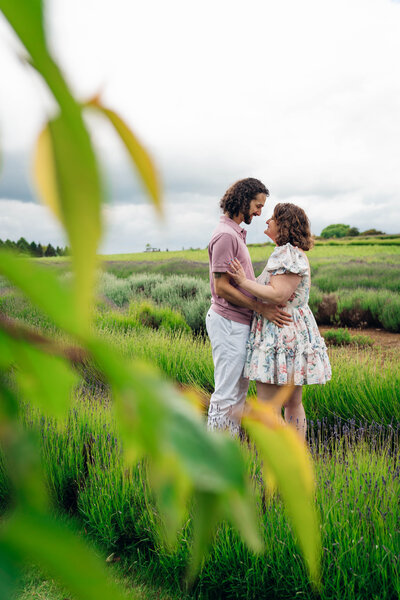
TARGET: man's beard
(246,216)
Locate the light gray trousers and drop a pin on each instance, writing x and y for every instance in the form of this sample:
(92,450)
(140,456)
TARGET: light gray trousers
(228,342)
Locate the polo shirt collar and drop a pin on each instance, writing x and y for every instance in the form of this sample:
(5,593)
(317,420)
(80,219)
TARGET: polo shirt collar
(242,232)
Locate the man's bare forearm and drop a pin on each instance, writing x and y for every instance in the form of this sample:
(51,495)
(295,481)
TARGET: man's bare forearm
(233,295)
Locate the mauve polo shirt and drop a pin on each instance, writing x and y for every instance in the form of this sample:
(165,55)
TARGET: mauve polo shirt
(227,242)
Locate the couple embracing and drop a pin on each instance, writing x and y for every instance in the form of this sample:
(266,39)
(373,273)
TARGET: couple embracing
(262,329)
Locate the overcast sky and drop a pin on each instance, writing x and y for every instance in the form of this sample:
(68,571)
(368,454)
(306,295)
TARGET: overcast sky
(302,95)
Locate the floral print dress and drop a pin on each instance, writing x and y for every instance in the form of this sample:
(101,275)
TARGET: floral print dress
(295,353)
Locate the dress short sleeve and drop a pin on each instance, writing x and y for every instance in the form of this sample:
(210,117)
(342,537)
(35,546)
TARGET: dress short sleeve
(287,259)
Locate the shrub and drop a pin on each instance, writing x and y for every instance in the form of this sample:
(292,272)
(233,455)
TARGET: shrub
(369,307)
(156,317)
(117,290)
(144,283)
(372,232)
(353,231)
(195,313)
(326,310)
(335,231)
(342,337)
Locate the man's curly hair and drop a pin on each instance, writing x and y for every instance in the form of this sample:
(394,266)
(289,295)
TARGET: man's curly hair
(238,197)
(293,226)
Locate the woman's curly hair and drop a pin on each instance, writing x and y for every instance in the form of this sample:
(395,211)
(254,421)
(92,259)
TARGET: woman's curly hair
(293,226)
(238,197)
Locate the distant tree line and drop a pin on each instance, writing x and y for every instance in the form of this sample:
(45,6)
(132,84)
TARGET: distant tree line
(339,230)
(34,249)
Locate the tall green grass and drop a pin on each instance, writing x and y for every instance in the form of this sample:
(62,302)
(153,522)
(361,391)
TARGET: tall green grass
(17,306)
(358,486)
(365,385)
(356,274)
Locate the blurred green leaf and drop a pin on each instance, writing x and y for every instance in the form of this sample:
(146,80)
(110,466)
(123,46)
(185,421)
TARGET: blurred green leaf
(242,514)
(44,289)
(68,157)
(6,353)
(214,461)
(283,452)
(8,406)
(139,155)
(45,380)
(38,537)
(26,17)
(173,488)
(44,170)
(72,189)
(9,573)
(152,417)
(157,420)
(207,511)
(24,467)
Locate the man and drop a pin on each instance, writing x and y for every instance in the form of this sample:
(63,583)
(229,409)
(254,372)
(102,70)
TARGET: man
(228,320)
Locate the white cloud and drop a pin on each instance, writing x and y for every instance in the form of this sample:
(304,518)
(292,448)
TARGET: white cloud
(31,221)
(190,220)
(302,95)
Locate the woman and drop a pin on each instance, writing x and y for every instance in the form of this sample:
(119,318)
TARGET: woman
(295,353)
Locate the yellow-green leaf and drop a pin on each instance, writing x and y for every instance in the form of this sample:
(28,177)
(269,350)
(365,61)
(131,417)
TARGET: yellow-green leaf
(45,174)
(283,452)
(139,155)
(79,199)
(74,163)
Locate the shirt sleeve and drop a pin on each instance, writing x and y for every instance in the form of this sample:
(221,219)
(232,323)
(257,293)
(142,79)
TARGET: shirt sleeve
(224,249)
(287,259)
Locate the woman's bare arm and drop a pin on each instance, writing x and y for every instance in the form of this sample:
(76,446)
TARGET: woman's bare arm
(225,289)
(278,290)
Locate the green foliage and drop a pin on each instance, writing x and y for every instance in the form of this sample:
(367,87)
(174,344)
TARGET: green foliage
(50,251)
(32,248)
(372,232)
(335,231)
(353,232)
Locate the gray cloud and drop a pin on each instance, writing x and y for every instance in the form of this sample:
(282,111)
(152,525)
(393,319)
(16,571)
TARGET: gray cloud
(14,178)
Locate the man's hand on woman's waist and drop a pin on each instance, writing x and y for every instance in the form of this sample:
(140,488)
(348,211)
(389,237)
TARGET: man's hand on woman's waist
(273,313)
